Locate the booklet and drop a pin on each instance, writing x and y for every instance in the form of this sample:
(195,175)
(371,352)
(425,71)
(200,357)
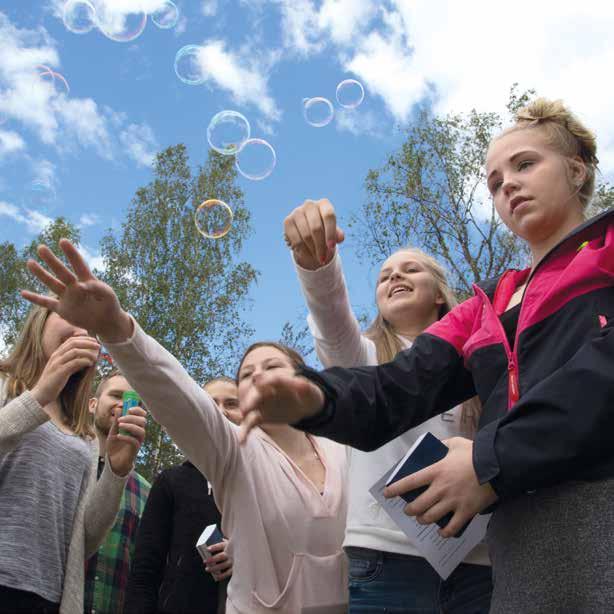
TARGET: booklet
(444,554)
(209,537)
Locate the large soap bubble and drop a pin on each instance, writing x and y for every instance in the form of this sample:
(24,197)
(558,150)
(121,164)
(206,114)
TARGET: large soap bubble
(256,159)
(79,16)
(120,24)
(187,65)
(318,111)
(350,93)
(213,218)
(227,132)
(166,16)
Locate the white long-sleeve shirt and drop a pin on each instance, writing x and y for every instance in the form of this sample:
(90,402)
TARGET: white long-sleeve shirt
(339,342)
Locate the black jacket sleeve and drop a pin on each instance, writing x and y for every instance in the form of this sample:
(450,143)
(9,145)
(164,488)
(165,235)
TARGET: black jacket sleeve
(560,429)
(366,407)
(151,549)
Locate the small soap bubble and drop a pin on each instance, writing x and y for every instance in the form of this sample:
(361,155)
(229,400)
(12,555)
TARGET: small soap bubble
(79,16)
(187,65)
(213,218)
(119,24)
(39,195)
(166,16)
(256,159)
(318,111)
(350,93)
(227,132)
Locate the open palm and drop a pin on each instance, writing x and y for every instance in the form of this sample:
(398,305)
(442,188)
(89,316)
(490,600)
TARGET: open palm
(82,299)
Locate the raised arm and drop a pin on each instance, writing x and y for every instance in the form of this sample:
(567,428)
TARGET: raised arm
(312,235)
(173,398)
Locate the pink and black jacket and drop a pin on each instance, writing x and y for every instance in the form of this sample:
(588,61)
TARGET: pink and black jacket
(548,401)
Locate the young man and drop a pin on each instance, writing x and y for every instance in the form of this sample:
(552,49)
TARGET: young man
(106,573)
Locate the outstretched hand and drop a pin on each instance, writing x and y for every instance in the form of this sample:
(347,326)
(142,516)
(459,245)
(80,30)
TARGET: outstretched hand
(280,398)
(82,299)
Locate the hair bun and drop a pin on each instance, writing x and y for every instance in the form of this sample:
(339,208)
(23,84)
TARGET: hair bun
(542,110)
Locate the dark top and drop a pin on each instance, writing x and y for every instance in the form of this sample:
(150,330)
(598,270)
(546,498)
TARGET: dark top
(509,319)
(167,575)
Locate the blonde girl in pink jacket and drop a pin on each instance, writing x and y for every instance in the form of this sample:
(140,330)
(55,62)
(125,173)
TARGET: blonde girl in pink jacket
(282,495)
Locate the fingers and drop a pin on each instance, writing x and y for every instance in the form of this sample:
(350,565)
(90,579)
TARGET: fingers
(225,574)
(47,302)
(315,224)
(329,220)
(215,548)
(250,421)
(459,520)
(435,513)
(76,260)
(56,265)
(411,482)
(55,285)
(131,429)
(424,502)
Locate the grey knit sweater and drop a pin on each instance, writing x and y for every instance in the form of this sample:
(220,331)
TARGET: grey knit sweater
(96,509)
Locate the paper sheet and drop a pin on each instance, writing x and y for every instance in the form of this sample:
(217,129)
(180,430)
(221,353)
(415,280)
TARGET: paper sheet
(444,554)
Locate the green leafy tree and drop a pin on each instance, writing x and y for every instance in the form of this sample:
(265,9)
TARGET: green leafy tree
(14,276)
(185,290)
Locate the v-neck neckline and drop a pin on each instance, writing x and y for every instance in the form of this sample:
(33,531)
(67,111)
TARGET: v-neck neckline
(320,453)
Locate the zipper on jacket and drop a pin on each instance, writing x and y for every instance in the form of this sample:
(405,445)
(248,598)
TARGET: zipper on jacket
(513,387)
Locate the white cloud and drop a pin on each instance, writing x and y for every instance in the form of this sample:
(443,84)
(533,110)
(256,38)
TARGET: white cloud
(343,19)
(139,143)
(35,221)
(243,75)
(89,219)
(208,7)
(10,142)
(93,258)
(358,122)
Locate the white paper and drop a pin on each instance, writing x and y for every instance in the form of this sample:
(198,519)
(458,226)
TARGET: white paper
(444,554)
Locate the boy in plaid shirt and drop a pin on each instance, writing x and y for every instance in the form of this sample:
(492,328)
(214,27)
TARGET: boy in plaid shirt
(106,572)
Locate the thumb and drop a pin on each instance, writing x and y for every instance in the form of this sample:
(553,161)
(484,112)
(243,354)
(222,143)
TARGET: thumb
(340,235)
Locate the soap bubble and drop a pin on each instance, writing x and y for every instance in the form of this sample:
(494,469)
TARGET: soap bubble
(166,16)
(120,25)
(187,65)
(227,132)
(256,159)
(79,16)
(54,79)
(39,195)
(350,93)
(318,111)
(213,218)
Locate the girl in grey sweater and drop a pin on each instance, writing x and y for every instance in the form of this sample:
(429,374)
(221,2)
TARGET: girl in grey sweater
(54,512)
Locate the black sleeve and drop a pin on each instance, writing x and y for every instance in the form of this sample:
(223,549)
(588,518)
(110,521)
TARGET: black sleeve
(366,407)
(151,550)
(558,430)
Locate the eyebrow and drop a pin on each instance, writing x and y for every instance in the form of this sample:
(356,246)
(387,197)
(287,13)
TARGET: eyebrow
(388,268)
(512,158)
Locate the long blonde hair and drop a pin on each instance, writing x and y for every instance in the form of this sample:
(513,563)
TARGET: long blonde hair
(388,341)
(25,363)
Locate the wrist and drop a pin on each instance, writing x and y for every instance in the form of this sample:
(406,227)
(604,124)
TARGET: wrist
(120,329)
(40,396)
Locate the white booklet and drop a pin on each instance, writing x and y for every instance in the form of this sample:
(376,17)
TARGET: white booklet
(444,554)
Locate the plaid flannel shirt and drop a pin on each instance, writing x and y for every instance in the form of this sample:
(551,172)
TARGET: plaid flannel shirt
(106,572)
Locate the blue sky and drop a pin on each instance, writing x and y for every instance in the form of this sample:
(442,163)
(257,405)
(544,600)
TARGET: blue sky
(92,148)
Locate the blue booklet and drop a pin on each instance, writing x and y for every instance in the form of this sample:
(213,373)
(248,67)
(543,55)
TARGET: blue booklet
(427,451)
(209,537)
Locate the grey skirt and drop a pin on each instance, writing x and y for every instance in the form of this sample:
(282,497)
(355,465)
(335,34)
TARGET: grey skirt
(553,551)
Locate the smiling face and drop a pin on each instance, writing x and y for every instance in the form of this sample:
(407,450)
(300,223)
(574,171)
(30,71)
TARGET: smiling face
(109,404)
(406,291)
(534,188)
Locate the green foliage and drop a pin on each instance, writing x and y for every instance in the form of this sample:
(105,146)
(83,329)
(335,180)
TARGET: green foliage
(297,337)
(14,276)
(184,290)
